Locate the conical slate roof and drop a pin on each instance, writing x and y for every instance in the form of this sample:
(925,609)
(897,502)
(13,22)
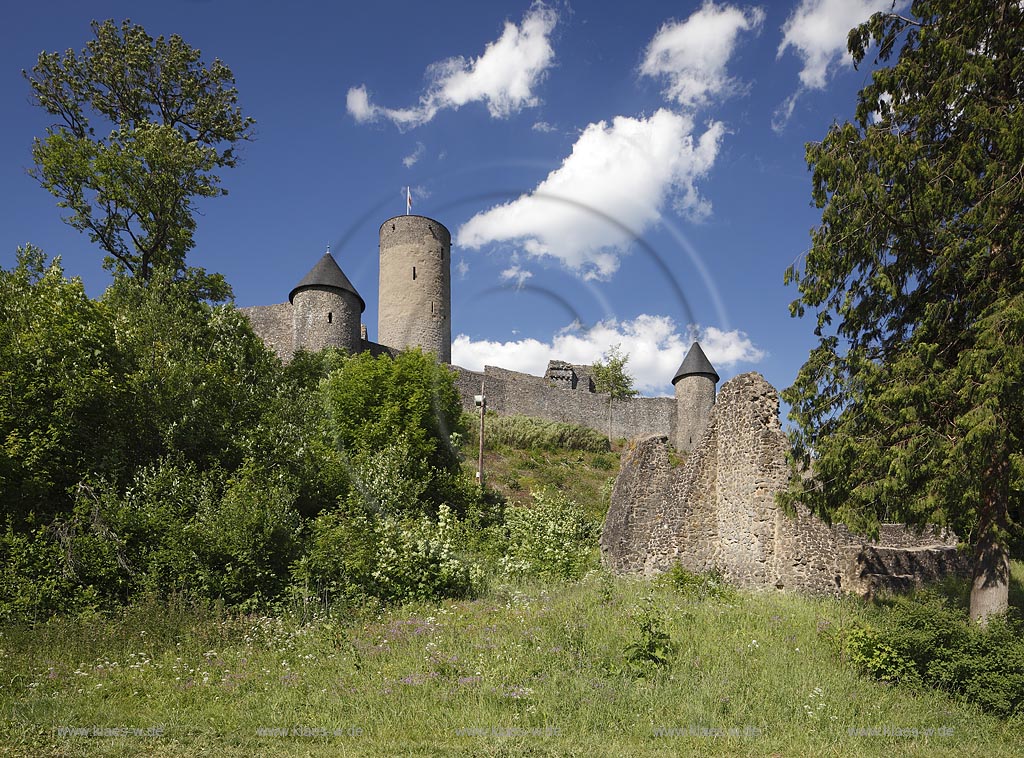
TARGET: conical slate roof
(695,362)
(327,274)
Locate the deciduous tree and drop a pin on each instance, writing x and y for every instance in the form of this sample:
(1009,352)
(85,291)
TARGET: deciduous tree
(142,127)
(610,376)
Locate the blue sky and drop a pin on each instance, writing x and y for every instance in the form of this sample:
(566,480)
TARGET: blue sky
(611,172)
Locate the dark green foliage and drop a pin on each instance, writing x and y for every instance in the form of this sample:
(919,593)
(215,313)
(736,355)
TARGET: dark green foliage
(523,432)
(64,406)
(652,648)
(393,418)
(246,542)
(925,640)
(142,127)
(911,404)
(293,435)
(199,376)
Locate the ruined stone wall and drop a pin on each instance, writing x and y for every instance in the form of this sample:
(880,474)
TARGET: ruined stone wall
(514,393)
(752,468)
(273,324)
(718,511)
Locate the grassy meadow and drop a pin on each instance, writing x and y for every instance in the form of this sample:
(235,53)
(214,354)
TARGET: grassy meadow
(524,668)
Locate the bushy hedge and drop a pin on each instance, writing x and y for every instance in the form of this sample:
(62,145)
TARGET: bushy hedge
(151,444)
(926,640)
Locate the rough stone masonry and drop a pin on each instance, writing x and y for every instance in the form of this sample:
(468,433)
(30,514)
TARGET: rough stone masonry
(718,511)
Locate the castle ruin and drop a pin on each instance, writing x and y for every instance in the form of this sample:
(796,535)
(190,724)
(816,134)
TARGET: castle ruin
(717,510)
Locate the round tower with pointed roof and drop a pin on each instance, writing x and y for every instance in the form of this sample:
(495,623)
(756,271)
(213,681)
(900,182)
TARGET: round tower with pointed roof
(326,308)
(695,396)
(415,295)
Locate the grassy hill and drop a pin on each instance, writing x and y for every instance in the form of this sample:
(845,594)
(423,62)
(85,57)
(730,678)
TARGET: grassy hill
(604,666)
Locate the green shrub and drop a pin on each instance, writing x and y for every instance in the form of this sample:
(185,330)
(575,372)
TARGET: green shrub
(867,651)
(550,538)
(33,583)
(652,648)
(417,559)
(924,639)
(356,552)
(245,542)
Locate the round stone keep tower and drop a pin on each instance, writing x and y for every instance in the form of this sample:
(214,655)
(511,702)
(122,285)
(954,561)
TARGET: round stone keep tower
(695,396)
(325,309)
(415,294)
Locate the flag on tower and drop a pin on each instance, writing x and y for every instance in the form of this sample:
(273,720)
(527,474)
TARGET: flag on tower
(408,201)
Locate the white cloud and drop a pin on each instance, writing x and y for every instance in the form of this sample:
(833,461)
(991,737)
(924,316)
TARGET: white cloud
(412,158)
(515,273)
(462,268)
(504,76)
(543,126)
(655,346)
(691,55)
(358,104)
(817,32)
(622,173)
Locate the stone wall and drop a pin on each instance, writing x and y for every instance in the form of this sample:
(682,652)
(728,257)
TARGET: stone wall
(325,318)
(414,294)
(274,325)
(513,393)
(718,511)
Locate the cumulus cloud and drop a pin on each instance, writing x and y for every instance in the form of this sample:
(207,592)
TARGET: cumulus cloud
(613,185)
(504,77)
(543,126)
(691,55)
(656,347)
(817,32)
(413,158)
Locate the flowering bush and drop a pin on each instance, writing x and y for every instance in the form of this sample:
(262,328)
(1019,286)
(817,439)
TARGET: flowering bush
(416,559)
(355,551)
(552,538)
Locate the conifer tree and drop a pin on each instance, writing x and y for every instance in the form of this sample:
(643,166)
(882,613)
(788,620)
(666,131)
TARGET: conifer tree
(911,406)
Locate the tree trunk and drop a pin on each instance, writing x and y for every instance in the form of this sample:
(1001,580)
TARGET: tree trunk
(990,587)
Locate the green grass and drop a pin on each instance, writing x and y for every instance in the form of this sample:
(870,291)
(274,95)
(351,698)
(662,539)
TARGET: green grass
(514,467)
(524,669)
(527,669)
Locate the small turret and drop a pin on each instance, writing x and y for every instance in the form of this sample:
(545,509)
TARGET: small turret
(695,396)
(326,308)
